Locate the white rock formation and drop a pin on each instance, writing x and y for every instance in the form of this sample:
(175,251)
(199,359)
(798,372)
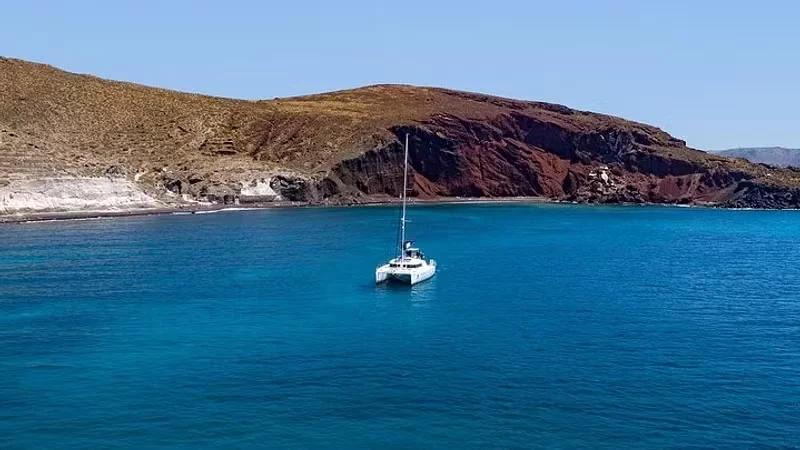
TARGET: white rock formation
(258,188)
(72,194)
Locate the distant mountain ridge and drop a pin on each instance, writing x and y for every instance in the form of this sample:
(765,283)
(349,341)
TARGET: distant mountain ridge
(774,156)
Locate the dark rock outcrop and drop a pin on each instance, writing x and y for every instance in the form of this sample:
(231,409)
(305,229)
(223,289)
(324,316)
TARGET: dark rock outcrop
(758,195)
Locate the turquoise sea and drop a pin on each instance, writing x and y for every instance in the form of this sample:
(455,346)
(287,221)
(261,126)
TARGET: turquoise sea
(547,326)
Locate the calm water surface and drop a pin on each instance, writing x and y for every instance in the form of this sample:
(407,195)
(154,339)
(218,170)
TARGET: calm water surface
(546,326)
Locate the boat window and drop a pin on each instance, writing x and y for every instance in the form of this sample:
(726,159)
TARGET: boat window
(407,266)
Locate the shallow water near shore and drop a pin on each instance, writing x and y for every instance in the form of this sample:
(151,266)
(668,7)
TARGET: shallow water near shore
(546,326)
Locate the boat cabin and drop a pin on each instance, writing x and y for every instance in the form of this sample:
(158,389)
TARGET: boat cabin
(413,253)
(412,258)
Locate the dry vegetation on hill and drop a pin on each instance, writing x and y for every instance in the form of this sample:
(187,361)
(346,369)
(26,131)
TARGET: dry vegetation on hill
(345,146)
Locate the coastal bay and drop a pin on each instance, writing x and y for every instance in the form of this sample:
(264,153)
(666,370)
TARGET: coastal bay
(547,325)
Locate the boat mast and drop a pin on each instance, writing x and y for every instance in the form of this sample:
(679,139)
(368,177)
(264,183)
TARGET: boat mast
(405,190)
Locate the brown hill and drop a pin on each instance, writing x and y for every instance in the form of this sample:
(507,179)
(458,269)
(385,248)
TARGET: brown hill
(345,146)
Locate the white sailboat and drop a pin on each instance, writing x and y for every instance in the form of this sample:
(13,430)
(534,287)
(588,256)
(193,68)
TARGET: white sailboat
(410,266)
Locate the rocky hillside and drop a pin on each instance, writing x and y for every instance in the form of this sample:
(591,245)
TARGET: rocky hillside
(774,156)
(344,147)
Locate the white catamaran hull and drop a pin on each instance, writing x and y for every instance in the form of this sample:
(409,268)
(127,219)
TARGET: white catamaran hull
(404,275)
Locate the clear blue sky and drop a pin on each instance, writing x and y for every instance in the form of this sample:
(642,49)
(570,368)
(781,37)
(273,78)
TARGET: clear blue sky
(716,73)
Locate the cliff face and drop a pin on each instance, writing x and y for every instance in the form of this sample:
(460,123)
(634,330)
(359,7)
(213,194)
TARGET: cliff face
(586,158)
(345,147)
(518,155)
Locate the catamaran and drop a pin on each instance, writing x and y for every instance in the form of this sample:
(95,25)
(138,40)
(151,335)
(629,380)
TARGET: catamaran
(410,266)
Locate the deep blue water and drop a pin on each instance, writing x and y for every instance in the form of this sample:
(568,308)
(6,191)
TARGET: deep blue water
(546,326)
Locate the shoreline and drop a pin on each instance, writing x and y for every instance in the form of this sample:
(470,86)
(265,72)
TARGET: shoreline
(189,209)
